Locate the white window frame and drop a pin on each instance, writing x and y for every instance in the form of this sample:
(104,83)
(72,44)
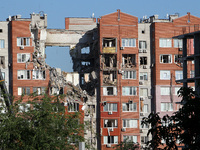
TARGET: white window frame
(129,107)
(23,90)
(142,75)
(142,91)
(192,74)
(129,90)
(23,74)
(131,138)
(179,74)
(165,42)
(2,43)
(110,107)
(164,74)
(20,41)
(166,107)
(128,42)
(39,90)
(73,107)
(162,61)
(114,123)
(129,75)
(106,92)
(39,74)
(178,43)
(20,58)
(164,90)
(142,45)
(129,123)
(113,139)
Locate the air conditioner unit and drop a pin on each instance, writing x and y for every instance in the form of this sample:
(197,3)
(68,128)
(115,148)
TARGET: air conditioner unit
(144,67)
(150,97)
(123,129)
(141,131)
(21,47)
(141,114)
(108,145)
(121,48)
(140,83)
(110,112)
(144,51)
(140,51)
(120,71)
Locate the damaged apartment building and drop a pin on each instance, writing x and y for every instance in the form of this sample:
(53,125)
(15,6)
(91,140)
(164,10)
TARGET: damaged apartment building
(123,70)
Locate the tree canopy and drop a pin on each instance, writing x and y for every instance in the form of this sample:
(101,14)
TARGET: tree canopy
(40,124)
(182,129)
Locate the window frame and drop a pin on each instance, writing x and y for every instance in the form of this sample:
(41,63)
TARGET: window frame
(130,138)
(115,123)
(27,74)
(167,106)
(126,123)
(110,107)
(163,91)
(23,91)
(168,74)
(165,44)
(106,139)
(143,75)
(2,43)
(20,41)
(73,107)
(132,91)
(39,74)
(162,59)
(128,74)
(21,57)
(126,42)
(178,74)
(130,107)
(141,45)
(178,43)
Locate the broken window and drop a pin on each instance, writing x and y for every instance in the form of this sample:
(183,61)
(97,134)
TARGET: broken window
(22,58)
(1,30)
(143,60)
(129,75)
(73,107)
(129,42)
(142,45)
(110,139)
(144,139)
(23,74)
(110,107)
(54,91)
(39,74)
(128,60)
(39,90)
(132,107)
(109,77)
(3,75)
(23,41)
(165,58)
(91,108)
(2,61)
(143,76)
(110,123)
(23,90)
(109,61)
(109,91)
(177,58)
(109,45)
(2,43)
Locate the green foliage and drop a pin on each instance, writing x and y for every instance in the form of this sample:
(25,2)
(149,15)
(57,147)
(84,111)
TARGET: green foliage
(44,126)
(127,145)
(182,126)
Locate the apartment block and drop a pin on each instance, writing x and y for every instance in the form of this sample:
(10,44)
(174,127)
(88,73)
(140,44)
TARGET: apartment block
(119,92)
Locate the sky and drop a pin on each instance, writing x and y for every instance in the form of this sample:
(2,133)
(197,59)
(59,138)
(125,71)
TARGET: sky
(57,10)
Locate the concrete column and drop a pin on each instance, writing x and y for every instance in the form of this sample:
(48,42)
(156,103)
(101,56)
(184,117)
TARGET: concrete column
(184,62)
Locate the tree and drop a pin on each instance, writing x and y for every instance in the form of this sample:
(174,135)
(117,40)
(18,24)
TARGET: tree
(43,125)
(182,127)
(127,145)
